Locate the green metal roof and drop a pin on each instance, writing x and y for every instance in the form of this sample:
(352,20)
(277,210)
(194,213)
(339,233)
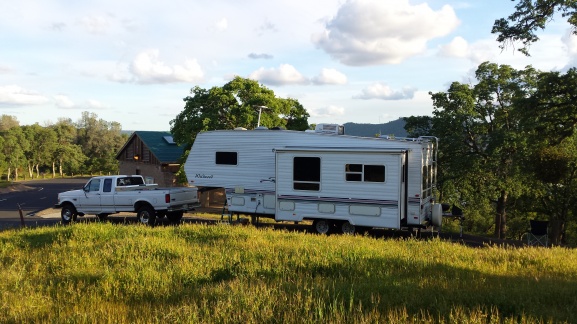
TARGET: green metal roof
(159,145)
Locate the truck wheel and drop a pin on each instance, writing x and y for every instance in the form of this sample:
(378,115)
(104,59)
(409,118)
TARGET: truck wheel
(68,213)
(146,215)
(175,216)
(102,217)
(322,226)
(347,228)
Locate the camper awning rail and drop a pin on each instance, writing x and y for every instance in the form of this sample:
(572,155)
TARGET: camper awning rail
(341,149)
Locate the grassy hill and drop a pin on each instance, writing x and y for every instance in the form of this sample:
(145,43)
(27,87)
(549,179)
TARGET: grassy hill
(108,273)
(395,127)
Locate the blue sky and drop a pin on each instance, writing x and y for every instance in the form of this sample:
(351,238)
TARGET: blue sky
(364,61)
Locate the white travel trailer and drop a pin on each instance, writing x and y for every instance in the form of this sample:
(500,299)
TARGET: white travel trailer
(342,183)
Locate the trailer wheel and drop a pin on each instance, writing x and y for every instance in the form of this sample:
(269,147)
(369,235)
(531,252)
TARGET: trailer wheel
(68,213)
(322,226)
(347,228)
(175,216)
(146,215)
(102,216)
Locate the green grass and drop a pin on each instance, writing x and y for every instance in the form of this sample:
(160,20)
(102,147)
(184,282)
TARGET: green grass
(105,273)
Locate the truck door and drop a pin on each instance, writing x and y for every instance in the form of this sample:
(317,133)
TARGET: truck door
(107,204)
(90,201)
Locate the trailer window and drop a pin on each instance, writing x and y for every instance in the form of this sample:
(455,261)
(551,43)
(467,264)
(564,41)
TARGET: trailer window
(307,173)
(227,158)
(366,173)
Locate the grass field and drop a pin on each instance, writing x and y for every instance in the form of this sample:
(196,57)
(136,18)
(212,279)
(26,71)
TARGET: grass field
(105,273)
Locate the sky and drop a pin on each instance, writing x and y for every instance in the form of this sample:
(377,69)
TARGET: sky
(362,61)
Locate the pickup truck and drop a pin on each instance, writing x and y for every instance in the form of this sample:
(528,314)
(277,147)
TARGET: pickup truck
(105,195)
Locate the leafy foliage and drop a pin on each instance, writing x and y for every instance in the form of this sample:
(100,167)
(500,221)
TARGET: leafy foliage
(531,16)
(235,105)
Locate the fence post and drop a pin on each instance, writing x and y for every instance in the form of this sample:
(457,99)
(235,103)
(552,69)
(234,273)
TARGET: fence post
(22,224)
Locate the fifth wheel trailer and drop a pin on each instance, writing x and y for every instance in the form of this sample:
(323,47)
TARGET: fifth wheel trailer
(340,182)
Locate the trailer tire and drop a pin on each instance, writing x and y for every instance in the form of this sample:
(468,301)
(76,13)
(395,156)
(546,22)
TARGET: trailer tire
(322,226)
(102,217)
(347,228)
(175,216)
(146,215)
(68,213)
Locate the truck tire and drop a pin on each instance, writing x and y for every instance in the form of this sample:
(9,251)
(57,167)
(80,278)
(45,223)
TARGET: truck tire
(102,217)
(322,226)
(175,216)
(146,215)
(68,213)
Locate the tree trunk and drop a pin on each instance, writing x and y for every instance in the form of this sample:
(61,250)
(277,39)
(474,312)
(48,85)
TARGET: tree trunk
(501,216)
(53,169)
(9,172)
(37,171)
(60,167)
(30,170)
(557,231)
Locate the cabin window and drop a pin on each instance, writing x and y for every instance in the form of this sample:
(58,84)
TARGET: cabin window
(365,172)
(107,185)
(307,173)
(227,158)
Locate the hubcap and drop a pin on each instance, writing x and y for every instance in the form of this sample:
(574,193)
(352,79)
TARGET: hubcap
(322,227)
(347,228)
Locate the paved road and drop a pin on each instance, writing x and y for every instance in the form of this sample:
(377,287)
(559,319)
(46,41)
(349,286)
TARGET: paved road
(34,196)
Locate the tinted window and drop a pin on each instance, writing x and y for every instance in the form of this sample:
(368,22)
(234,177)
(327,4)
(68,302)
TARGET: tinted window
(307,173)
(227,158)
(107,185)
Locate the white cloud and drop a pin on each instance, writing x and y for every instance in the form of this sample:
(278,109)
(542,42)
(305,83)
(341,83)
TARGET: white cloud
(63,101)
(222,24)
(477,52)
(96,24)
(384,92)
(330,111)
(147,68)
(283,75)
(375,32)
(330,76)
(16,95)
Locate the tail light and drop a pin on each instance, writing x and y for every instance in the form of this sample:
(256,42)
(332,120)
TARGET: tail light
(167,198)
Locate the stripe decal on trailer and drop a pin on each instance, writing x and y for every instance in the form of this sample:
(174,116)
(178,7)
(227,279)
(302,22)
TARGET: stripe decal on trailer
(384,203)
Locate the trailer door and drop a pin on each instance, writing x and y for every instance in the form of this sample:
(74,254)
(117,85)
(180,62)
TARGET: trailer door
(403,186)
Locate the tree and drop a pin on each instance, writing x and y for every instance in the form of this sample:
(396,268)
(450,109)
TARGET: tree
(480,137)
(418,125)
(531,16)
(15,144)
(556,169)
(100,141)
(67,154)
(41,149)
(233,105)
(7,122)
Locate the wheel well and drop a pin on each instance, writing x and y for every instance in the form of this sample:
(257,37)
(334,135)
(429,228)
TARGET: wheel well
(141,204)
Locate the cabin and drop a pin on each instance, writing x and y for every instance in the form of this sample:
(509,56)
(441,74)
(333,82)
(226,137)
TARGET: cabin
(152,154)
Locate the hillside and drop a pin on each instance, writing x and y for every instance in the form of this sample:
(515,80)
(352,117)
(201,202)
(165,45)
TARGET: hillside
(395,128)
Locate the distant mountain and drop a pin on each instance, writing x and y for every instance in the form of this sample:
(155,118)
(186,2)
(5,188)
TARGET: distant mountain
(395,128)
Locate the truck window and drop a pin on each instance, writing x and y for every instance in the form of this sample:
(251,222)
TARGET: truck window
(93,185)
(307,173)
(136,181)
(107,185)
